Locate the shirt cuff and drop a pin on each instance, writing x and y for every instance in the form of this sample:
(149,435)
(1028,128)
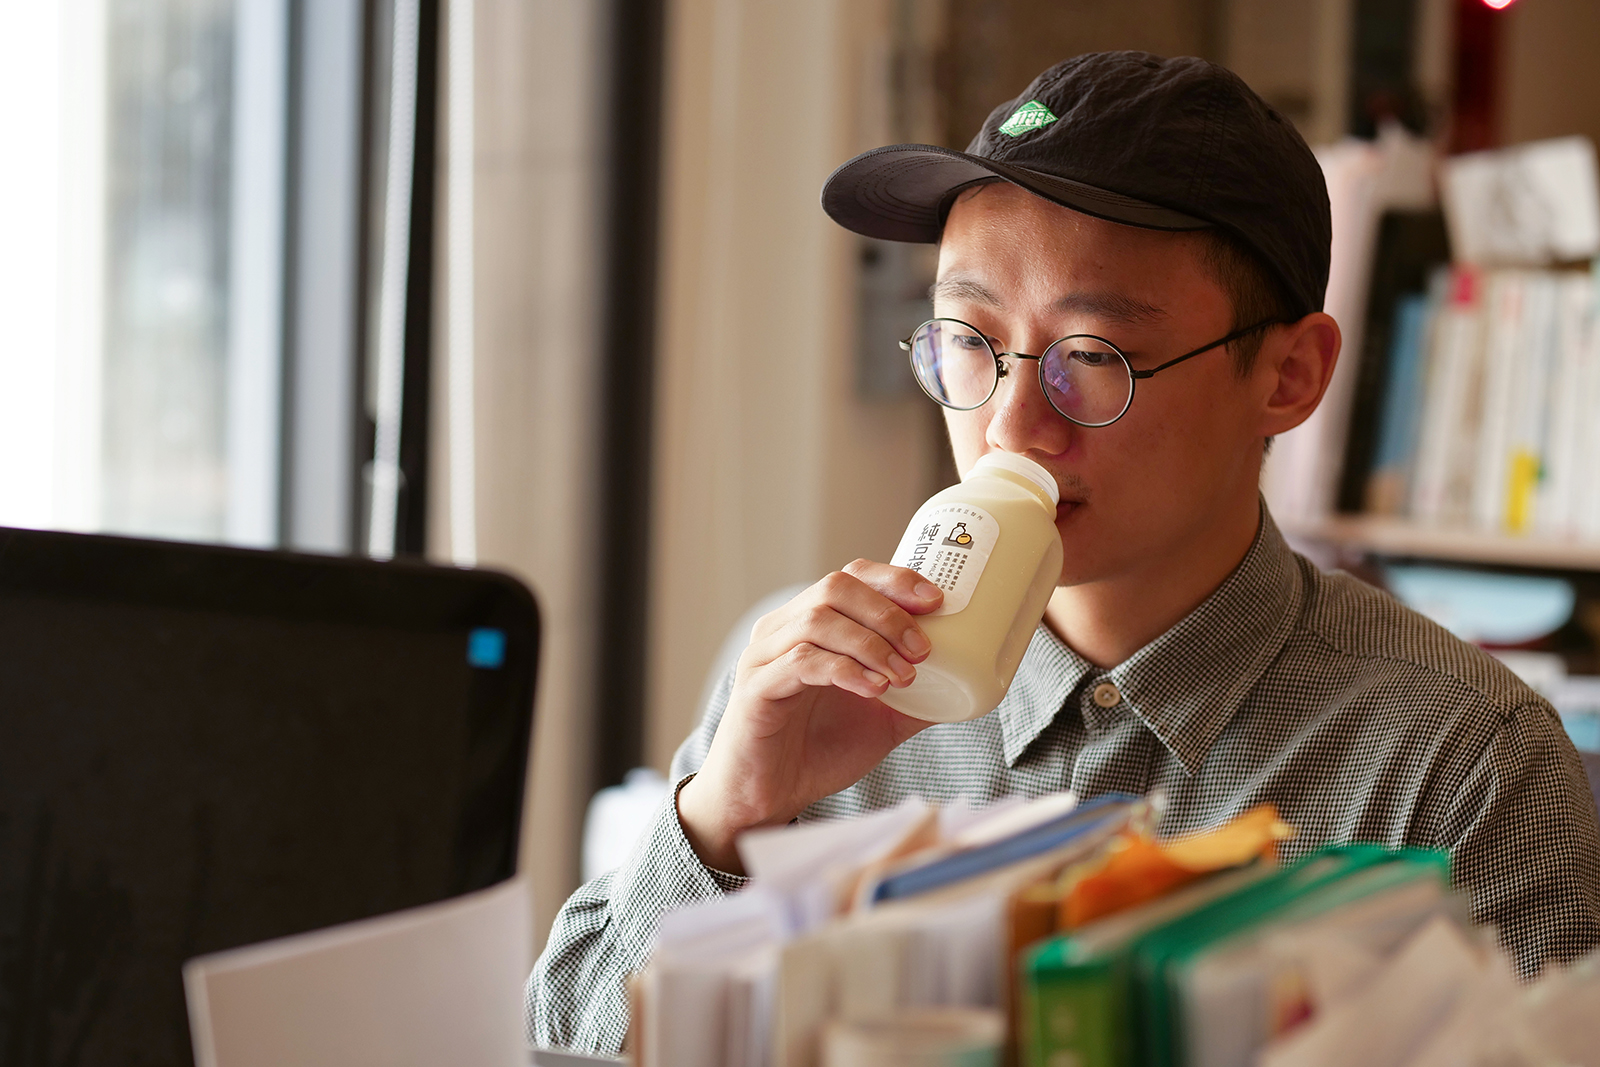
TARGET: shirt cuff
(728,883)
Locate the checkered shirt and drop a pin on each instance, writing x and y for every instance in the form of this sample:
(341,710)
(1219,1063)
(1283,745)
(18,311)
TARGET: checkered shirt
(1359,719)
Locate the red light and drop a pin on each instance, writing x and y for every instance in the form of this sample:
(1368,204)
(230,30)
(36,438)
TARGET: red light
(1499,5)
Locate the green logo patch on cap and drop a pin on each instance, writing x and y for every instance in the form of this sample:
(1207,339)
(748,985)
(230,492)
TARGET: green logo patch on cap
(1030,116)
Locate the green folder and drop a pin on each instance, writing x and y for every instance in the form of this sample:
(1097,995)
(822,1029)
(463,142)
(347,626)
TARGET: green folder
(1099,997)
(1074,986)
(1318,884)
(1222,1014)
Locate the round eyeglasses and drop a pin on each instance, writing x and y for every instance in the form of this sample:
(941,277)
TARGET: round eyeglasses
(1086,378)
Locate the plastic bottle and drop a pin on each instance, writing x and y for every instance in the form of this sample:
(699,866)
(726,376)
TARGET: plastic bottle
(991,544)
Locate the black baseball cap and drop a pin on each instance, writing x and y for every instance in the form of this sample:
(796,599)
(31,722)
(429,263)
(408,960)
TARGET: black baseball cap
(1165,144)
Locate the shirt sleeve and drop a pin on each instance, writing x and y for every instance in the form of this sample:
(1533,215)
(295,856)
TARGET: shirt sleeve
(1524,844)
(576,997)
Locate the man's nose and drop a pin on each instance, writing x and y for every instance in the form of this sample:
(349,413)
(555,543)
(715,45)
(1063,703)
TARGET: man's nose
(1023,419)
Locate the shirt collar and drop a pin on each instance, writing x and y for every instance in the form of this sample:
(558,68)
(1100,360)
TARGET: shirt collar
(1048,673)
(1188,683)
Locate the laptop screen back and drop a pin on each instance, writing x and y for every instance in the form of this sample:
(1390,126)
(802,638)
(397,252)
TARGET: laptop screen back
(202,748)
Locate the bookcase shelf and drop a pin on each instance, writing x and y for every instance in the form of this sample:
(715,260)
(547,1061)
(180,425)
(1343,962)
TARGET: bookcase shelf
(1377,536)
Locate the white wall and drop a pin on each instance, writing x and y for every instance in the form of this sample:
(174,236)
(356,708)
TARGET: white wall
(537,193)
(768,469)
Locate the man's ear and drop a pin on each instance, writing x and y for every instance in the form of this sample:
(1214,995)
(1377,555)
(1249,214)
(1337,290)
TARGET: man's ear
(1293,371)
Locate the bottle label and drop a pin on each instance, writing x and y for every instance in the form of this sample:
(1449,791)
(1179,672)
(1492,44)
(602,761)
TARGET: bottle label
(949,544)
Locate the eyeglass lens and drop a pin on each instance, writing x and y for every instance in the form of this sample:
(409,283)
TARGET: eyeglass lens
(954,363)
(1084,378)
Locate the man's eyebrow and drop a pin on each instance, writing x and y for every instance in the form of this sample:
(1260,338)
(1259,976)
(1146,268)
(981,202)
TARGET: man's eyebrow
(1115,307)
(961,288)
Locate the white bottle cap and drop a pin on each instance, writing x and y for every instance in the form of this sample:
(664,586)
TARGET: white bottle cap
(1010,461)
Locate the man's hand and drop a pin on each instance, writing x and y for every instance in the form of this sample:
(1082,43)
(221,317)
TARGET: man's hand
(804,719)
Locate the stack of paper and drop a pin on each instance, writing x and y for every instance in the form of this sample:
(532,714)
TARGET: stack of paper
(1049,933)
(943,1037)
(707,995)
(888,933)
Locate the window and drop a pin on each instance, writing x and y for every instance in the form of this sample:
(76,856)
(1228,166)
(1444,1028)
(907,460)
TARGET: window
(145,193)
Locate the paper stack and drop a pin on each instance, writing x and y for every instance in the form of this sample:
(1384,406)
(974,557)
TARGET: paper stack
(894,938)
(1057,934)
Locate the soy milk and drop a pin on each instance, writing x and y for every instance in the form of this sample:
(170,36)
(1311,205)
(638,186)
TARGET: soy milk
(991,544)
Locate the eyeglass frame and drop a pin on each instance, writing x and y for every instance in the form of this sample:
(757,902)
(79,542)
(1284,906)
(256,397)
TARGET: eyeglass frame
(1134,376)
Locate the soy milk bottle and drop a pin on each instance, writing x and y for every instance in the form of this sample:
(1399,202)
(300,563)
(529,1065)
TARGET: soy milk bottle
(991,544)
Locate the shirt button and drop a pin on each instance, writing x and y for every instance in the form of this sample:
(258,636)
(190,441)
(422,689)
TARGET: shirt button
(1106,695)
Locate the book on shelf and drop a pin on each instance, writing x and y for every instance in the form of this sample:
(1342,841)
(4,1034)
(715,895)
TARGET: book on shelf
(1489,403)
(1470,394)
(1400,419)
(1528,205)
(1409,245)
(1365,179)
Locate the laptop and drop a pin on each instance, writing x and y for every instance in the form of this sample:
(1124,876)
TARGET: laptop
(203,748)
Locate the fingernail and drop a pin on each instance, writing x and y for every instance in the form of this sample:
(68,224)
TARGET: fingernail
(916,642)
(902,670)
(875,678)
(927,591)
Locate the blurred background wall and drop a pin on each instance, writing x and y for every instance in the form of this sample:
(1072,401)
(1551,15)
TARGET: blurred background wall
(538,271)
(771,466)
(1549,88)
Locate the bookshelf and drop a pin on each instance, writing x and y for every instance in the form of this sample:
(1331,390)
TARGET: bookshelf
(1465,405)
(1381,536)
